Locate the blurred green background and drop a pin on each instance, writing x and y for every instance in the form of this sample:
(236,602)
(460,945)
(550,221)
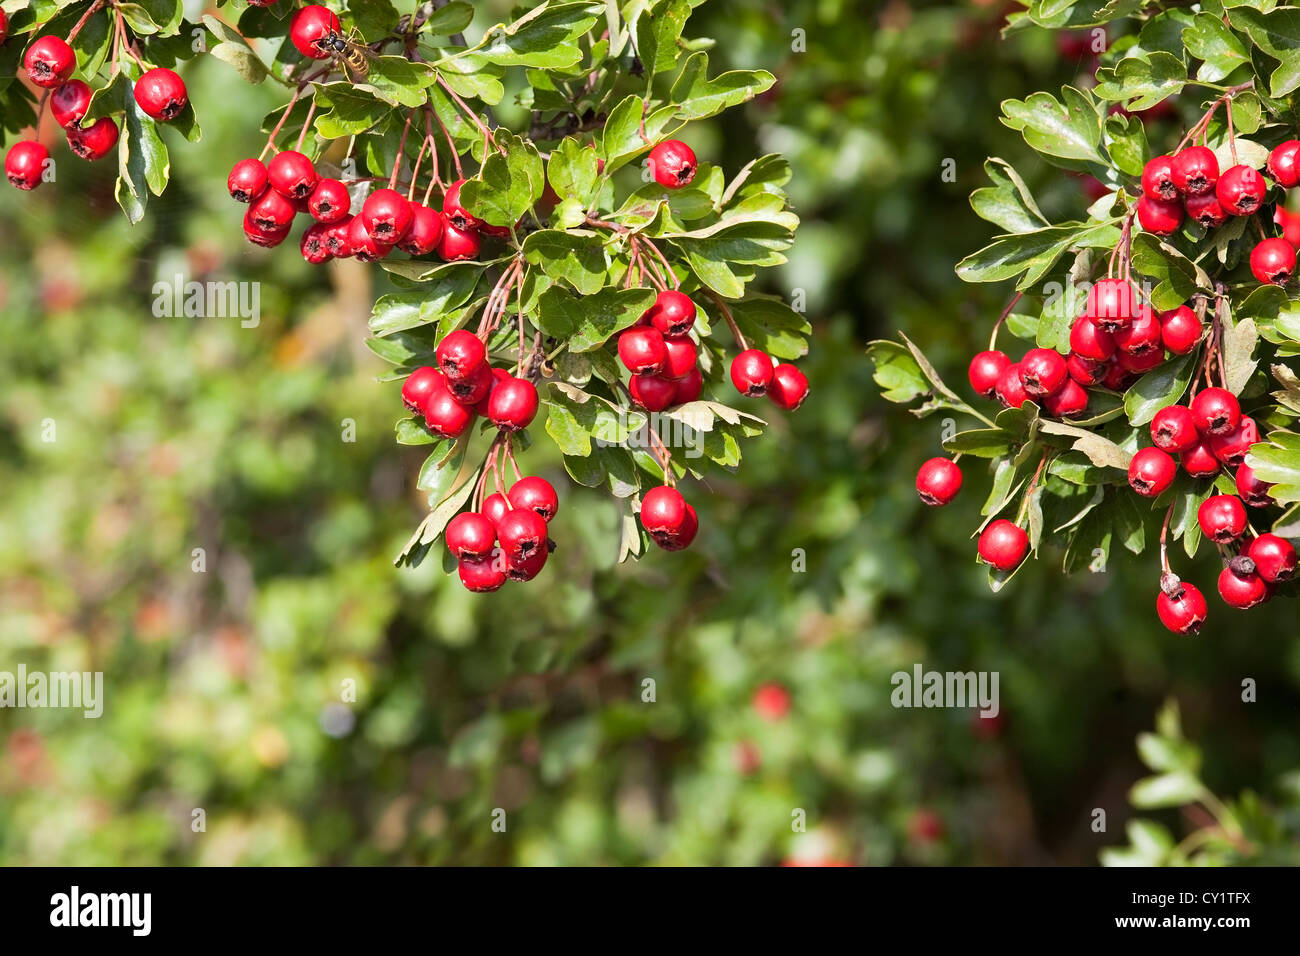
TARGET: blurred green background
(223,687)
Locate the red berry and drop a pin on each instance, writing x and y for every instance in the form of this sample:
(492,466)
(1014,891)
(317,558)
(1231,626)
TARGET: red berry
(336,240)
(1139,362)
(526,568)
(418,385)
(1158,180)
(262,235)
(1069,401)
(1290,223)
(482,575)
(1216,411)
(683,538)
(681,357)
(1111,303)
(1195,170)
(272,211)
(688,387)
(925,826)
(1282,163)
(522,533)
(513,404)
(470,535)
(1141,335)
(458,243)
(1274,557)
(94,141)
(247,180)
(1003,544)
(1116,377)
(1174,429)
(771,701)
(4,26)
(1240,190)
(313,246)
(25,163)
(663,513)
(1089,341)
(425,232)
(495,507)
(461,354)
(473,388)
(1273,260)
(387,215)
(652,392)
(751,372)
(1185,611)
(641,349)
(789,387)
(69,103)
(1085,371)
(456,214)
(161,93)
(1042,372)
(938,481)
(444,415)
(673,164)
(49,61)
(1150,472)
(1010,391)
(291,174)
(1158,216)
(1180,330)
(1231,447)
(499,375)
(985,370)
(537,494)
(1199,462)
(1239,584)
(1222,518)
(329,201)
(362,244)
(673,313)
(1206,209)
(1253,491)
(310,29)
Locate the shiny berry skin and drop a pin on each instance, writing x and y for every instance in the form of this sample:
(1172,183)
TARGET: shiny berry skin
(1240,190)
(1185,612)
(1206,210)
(49,61)
(673,164)
(1216,411)
(1174,429)
(4,26)
(673,313)
(681,357)
(789,387)
(470,535)
(985,370)
(482,575)
(652,392)
(387,215)
(1282,163)
(161,93)
(455,213)
(1273,261)
(336,240)
(1139,362)
(1069,401)
(1111,303)
(262,235)
(499,375)
(495,507)
(1003,545)
(418,385)
(537,494)
(938,481)
(1199,462)
(425,232)
(1141,335)
(688,387)
(1089,341)
(94,141)
(461,354)
(444,415)
(1085,371)
(684,536)
(1222,518)
(473,388)
(1231,447)
(1150,472)
(272,211)
(457,243)
(1274,557)
(313,246)
(1158,179)
(24,163)
(329,201)
(68,104)
(513,404)
(247,180)
(1290,223)
(291,174)
(1180,330)
(751,372)
(1195,170)
(663,513)
(1253,491)
(1010,391)
(525,569)
(361,243)
(310,27)
(1042,372)
(522,533)
(641,349)
(1158,216)
(1240,586)
(1116,377)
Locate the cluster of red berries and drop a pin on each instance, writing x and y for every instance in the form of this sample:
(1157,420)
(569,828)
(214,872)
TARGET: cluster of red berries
(464,386)
(1190,183)
(507,540)
(49,62)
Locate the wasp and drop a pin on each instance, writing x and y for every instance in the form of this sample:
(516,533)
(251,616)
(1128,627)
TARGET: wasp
(355,57)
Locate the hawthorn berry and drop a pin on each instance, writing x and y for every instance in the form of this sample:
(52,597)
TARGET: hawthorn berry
(329,201)
(94,141)
(1090,342)
(418,385)
(1069,401)
(938,481)
(1290,223)
(291,174)
(1199,462)
(311,28)
(1111,303)
(1158,179)
(1231,447)
(247,180)
(1141,335)
(681,356)
(455,213)
(1150,472)
(673,164)
(495,507)
(673,313)
(1252,491)
(4,26)
(336,240)
(1173,429)
(444,415)
(751,372)
(1239,584)
(641,349)
(262,235)
(458,243)
(771,701)
(689,387)
(1206,209)
(1273,261)
(1010,391)
(272,211)
(360,242)
(1274,557)
(1003,544)
(1240,190)
(537,494)
(1042,372)
(499,375)
(387,215)
(69,103)
(161,93)
(1216,411)
(313,246)
(685,535)
(985,370)
(526,568)
(652,392)
(663,513)
(461,354)
(1180,330)
(1139,362)
(425,232)
(513,404)
(1184,611)
(1116,377)
(522,533)
(1281,163)
(473,388)
(1222,518)
(470,535)
(789,387)
(49,61)
(1160,217)
(482,575)
(1085,371)
(1195,170)
(25,163)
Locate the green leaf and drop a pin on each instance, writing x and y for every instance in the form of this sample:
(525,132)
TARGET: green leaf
(1030,254)
(1277,33)
(1220,50)
(453,18)
(545,37)
(1177,277)
(507,185)
(233,49)
(1174,789)
(587,322)
(572,257)
(980,442)
(445,287)
(346,111)
(771,325)
(1101,451)
(571,170)
(143,163)
(621,139)
(1069,128)
(1158,388)
(1127,143)
(397,81)
(897,372)
(1238,351)
(1142,79)
(1008,203)
(658,30)
(1277,461)
(698,97)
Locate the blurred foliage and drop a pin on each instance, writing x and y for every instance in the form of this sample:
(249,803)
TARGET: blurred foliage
(224,688)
